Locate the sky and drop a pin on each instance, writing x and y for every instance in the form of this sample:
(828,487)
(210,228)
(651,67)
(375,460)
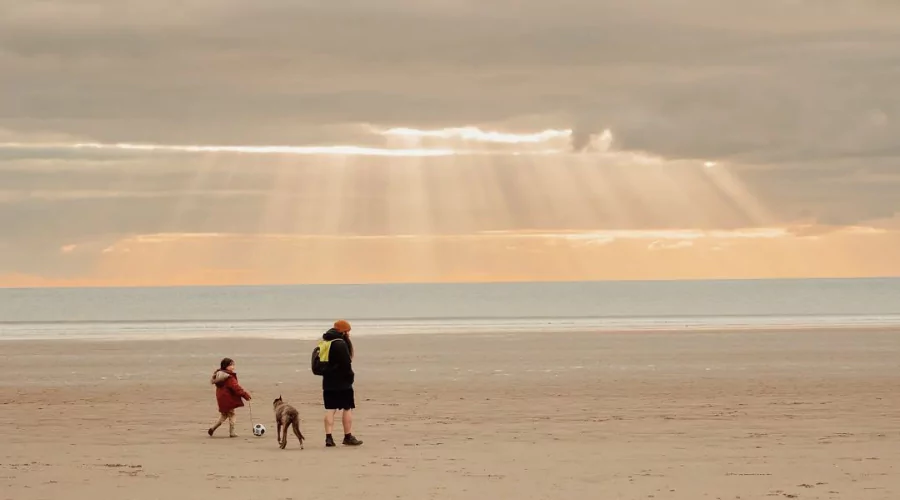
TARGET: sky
(233,142)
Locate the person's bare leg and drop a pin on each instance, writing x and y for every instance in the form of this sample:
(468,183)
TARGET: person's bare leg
(329,421)
(329,428)
(347,421)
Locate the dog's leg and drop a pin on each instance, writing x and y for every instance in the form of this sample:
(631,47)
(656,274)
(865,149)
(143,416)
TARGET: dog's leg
(283,436)
(278,430)
(296,427)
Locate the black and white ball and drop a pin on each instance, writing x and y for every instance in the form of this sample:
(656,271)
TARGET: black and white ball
(259,430)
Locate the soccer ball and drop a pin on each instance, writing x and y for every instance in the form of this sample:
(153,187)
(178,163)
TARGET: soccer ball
(259,430)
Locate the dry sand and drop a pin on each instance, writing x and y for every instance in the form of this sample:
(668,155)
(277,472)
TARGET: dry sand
(807,415)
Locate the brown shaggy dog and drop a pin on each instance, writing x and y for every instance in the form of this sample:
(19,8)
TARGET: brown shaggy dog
(286,416)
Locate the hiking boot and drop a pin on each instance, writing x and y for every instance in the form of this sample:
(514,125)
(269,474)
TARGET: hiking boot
(350,440)
(329,442)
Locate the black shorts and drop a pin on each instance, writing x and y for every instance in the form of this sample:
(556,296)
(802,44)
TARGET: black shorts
(342,399)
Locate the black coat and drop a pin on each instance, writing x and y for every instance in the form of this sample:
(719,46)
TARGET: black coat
(340,374)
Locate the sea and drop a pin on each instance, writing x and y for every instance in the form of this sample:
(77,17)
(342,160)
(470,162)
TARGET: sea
(304,311)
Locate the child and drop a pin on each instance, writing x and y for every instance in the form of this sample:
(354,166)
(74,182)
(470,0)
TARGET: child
(229,395)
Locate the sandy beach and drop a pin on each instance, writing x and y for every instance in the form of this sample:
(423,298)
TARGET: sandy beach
(686,416)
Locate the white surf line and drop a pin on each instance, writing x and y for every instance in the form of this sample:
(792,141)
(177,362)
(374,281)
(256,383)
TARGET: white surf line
(289,150)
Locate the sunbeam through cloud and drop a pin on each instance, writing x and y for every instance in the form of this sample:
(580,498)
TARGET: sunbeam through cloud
(478,135)
(454,141)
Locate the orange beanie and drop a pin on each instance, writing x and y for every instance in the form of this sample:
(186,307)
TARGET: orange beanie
(342,326)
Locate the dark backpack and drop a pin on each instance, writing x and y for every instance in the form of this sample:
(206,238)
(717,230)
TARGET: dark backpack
(318,366)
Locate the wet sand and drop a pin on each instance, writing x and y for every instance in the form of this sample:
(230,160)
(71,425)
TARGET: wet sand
(687,416)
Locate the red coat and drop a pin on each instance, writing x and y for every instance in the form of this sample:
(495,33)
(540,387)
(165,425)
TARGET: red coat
(229,393)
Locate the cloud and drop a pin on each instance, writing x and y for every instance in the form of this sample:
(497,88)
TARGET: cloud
(817,230)
(891,222)
(15,196)
(667,238)
(664,245)
(657,235)
(659,239)
(361,118)
(478,135)
(708,84)
(449,139)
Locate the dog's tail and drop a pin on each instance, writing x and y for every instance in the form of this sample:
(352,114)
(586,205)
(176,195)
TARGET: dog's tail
(295,424)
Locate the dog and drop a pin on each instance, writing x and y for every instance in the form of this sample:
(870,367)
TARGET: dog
(286,416)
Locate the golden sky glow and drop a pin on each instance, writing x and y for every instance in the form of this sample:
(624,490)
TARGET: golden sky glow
(597,213)
(182,259)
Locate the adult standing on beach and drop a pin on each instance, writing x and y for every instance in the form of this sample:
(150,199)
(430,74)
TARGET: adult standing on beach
(336,351)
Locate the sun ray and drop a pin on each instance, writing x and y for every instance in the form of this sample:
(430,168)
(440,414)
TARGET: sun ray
(723,178)
(446,203)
